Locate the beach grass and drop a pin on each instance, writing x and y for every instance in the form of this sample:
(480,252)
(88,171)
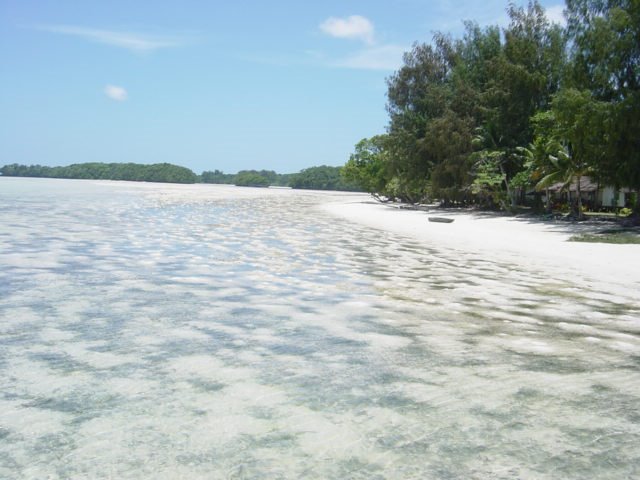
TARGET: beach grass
(609,236)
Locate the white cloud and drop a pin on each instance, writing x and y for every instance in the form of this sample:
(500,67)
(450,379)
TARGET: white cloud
(132,41)
(371,57)
(355,26)
(116,93)
(384,57)
(555,14)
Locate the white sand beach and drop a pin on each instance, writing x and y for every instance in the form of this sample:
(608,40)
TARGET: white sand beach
(525,242)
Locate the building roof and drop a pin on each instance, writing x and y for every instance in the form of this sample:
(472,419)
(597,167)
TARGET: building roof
(586,185)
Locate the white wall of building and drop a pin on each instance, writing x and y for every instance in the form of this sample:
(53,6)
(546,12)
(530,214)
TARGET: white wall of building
(609,200)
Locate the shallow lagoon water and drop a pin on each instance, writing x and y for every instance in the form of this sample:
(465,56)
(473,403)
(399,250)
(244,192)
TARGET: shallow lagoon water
(166,331)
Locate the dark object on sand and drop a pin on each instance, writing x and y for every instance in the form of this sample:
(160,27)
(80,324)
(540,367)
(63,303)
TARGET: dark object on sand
(441,219)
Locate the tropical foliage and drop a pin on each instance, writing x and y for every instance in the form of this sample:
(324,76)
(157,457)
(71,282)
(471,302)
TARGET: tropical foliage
(501,112)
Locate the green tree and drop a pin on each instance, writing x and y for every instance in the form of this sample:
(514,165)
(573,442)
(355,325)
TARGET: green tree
(250,178)
(216,176)
(489,180)
(449,141)
(606,62)
(538,157)
(367,166)
(417,94)
(447,91)
(523,79)
(580,122)
(323,177)
(566,146)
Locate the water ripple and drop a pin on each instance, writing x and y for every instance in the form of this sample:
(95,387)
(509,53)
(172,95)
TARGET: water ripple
(159,331)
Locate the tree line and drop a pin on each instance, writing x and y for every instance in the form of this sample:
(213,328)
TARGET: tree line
(259,178)
(158,172)
(323,177)
(315,178)
(500,112)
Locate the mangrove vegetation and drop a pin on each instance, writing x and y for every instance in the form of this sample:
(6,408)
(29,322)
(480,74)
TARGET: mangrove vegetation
(315,178)
(159,172)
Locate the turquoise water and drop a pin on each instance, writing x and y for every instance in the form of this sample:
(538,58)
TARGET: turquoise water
(165,331)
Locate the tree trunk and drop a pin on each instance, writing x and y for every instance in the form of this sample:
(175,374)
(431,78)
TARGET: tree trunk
(579,214)
(549,206)
(510,195)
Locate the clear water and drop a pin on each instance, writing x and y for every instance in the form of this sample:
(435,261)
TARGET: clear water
(161,331)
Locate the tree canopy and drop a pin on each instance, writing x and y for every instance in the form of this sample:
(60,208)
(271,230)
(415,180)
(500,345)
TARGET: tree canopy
(463,111)
(321,178)
(249,178)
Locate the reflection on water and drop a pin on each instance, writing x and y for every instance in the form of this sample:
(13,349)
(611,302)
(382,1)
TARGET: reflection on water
(216,332)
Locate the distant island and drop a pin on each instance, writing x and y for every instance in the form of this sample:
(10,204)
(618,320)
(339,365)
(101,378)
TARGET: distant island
(315,178)
(135,172)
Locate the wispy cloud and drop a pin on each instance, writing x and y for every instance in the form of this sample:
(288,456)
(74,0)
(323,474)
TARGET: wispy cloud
(135,42)
(373,56)
(555,14)
(370,56)
(116,93)
(383,57)
(353,27)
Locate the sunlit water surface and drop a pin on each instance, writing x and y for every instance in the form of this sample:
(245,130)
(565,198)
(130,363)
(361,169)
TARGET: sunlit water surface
(163,331)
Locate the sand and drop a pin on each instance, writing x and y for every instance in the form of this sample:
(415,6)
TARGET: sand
(196,331)
(527,243)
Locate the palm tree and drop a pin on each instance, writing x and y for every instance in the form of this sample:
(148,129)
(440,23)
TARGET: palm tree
(564,168)
(537,165)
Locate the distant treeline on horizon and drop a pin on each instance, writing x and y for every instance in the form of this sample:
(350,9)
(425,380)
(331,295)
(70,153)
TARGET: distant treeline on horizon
(315,178)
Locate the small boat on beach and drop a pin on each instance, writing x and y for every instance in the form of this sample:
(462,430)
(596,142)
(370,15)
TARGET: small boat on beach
(441,219)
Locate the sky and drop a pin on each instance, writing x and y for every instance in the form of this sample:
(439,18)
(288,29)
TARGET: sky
(278,85)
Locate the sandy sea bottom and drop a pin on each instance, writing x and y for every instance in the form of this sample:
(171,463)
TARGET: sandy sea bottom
(162,331)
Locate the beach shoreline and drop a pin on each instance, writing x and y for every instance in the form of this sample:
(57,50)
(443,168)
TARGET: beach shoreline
(524,241)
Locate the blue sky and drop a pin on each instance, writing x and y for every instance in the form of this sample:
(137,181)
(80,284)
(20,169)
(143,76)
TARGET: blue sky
(281,85)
